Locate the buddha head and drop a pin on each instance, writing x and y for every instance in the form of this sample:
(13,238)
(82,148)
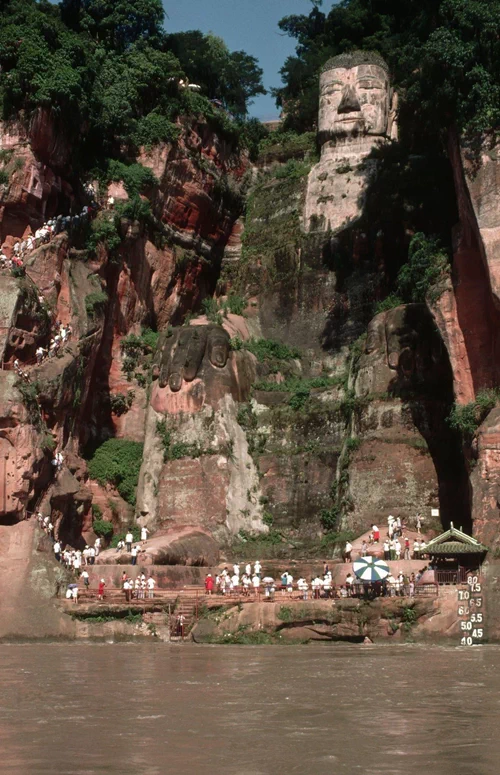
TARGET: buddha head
(355,97)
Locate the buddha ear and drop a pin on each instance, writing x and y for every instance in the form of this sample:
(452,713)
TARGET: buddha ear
(392,125)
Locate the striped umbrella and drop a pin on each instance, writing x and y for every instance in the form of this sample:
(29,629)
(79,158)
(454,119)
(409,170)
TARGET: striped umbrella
(370,569)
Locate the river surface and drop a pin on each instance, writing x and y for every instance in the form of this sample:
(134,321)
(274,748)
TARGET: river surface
(156,709)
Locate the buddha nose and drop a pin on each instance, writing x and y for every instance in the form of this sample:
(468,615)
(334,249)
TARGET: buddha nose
(349,102)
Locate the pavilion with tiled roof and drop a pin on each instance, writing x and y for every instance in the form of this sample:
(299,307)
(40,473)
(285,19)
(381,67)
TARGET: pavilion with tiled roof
(455,553)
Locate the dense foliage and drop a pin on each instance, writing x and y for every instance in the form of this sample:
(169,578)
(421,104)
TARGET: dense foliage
(103,528)
(231,77)
(110,74)
(444,56)
(264,349)
(466,418)
(118,462)
(427,264)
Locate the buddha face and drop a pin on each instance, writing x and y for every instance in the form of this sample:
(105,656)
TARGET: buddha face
(354,101)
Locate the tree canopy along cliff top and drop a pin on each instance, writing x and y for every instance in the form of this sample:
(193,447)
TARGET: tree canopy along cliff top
(444,57)
(110,73)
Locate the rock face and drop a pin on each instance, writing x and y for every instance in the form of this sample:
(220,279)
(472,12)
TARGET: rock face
(158,275)
(403,436)
(322,620)
(183,545)
(485,482)
(290,408)
(471,339)
(197,468)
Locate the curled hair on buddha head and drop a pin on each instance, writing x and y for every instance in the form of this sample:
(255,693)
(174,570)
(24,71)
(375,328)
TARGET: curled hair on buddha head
(354,58)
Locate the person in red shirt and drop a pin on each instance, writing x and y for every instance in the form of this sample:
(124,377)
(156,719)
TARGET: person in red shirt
(376,534)
(209,584)
(100,590)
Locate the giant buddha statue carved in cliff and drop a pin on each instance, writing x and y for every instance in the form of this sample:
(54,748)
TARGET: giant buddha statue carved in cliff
(357,109)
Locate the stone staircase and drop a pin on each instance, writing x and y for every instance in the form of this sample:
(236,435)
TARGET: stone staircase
(189,601)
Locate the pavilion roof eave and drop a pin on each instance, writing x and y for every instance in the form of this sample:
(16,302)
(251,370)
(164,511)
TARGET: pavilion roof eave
(454,547)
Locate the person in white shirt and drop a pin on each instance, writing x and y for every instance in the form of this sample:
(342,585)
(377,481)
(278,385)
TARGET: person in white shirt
(256,582)
(85,577)
(397,548)
(151,583)
(289,584)
(144,533)
(39,352)
(91,555)
(235,579)
(57,551)
(257,568)
(129,538)
(134,553)
(245,580)
(347,551)
(236,569)
(318,587)
(248,569)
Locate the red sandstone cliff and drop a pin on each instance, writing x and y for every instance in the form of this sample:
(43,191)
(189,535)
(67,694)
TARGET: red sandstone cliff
(150,282)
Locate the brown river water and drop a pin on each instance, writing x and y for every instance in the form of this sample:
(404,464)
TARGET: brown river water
(156,709)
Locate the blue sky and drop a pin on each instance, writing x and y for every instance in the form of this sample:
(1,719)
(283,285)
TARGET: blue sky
(248,25)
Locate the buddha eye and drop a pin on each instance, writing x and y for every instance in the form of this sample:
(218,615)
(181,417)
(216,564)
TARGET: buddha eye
(369,85)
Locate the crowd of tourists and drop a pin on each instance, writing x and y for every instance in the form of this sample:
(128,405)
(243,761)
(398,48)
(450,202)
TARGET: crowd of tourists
(133,589)
(60,335)
(22,248)
(251,582)
(138,589)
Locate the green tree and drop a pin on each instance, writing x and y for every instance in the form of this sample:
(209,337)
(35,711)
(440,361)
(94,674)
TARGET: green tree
(115,23)
(110,79)
(427,263)
(231,77)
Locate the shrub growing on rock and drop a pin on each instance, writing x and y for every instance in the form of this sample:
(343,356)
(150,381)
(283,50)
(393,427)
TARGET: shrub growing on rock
(118,462)
(468,417)
(95,303)
(103,528)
